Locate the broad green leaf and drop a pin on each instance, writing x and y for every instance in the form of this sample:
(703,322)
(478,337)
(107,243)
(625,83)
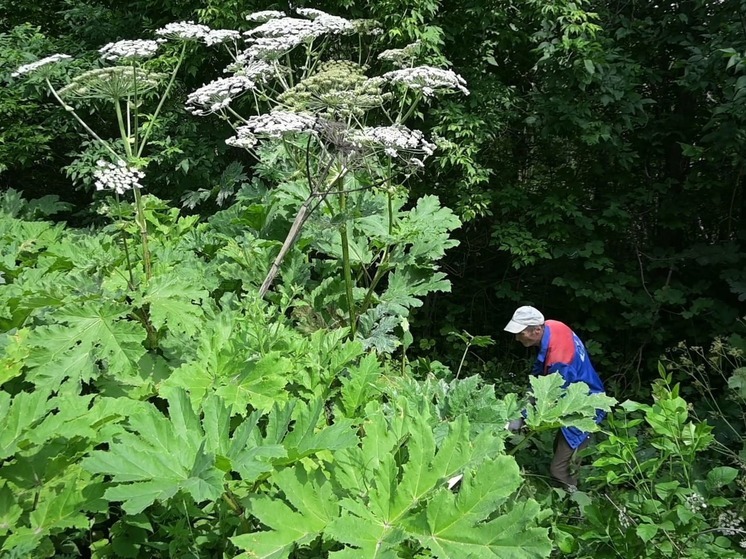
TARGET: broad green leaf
(10,512)
(646,532)
(296,516)
(104,331)
(721,476)
(260,385)
(158,457)
(357,385)
(554,406)
(405,495)
(19,416)
(174,302)
(309,433)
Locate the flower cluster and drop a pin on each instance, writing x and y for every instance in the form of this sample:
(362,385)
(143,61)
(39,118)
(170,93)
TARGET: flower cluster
(244,138)
(396,141)
(186,30)
(695,502)
(217,95)
(730,523)
(118,176)
(33,66)
(428,79)
(139,48)
(270,48)
(257,70)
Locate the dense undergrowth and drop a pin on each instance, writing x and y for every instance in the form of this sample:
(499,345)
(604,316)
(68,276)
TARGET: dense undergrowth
(241,386)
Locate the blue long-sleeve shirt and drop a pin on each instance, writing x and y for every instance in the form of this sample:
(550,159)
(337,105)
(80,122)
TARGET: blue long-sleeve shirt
(561,351)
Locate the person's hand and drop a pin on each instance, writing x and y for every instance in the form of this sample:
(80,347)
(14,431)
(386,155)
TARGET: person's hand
(515,425)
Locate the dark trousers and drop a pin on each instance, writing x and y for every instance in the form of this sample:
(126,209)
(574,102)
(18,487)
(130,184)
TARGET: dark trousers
(563,453)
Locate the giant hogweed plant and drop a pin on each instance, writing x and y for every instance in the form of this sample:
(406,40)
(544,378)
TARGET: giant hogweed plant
(299,98)
(295,98)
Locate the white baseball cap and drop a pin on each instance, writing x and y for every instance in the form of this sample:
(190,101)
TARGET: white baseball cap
(524,317)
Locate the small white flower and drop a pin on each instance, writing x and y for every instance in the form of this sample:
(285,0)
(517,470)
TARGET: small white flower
(138,48)
(217,36)
(187,30)
(217,95)
(118,176)
(428,79)
(33,66)
(265,15)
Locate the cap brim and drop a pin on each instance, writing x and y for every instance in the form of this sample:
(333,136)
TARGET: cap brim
(514,327)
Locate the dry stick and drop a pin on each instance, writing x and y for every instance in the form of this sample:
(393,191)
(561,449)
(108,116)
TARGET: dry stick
(300,219)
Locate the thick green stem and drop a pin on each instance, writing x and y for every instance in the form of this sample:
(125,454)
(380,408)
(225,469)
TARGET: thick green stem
(142,224)
(123,130)
(347,268)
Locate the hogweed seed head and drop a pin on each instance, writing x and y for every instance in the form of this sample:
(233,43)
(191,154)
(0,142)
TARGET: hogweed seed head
(33,66)
(730,523)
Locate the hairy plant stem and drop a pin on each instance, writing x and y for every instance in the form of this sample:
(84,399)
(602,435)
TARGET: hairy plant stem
(139,213)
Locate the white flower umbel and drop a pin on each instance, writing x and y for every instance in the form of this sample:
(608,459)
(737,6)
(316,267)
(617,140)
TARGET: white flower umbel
(428,79)
(271,48)
(217,95)
(258,71)
(218,36)
(278,123)
(118,176)
(327,22)
(321,24)
(33,66)
(244,138)
(265,15)
(138,48)
(272,125)
(396,141)
(403,56)
(186,30)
